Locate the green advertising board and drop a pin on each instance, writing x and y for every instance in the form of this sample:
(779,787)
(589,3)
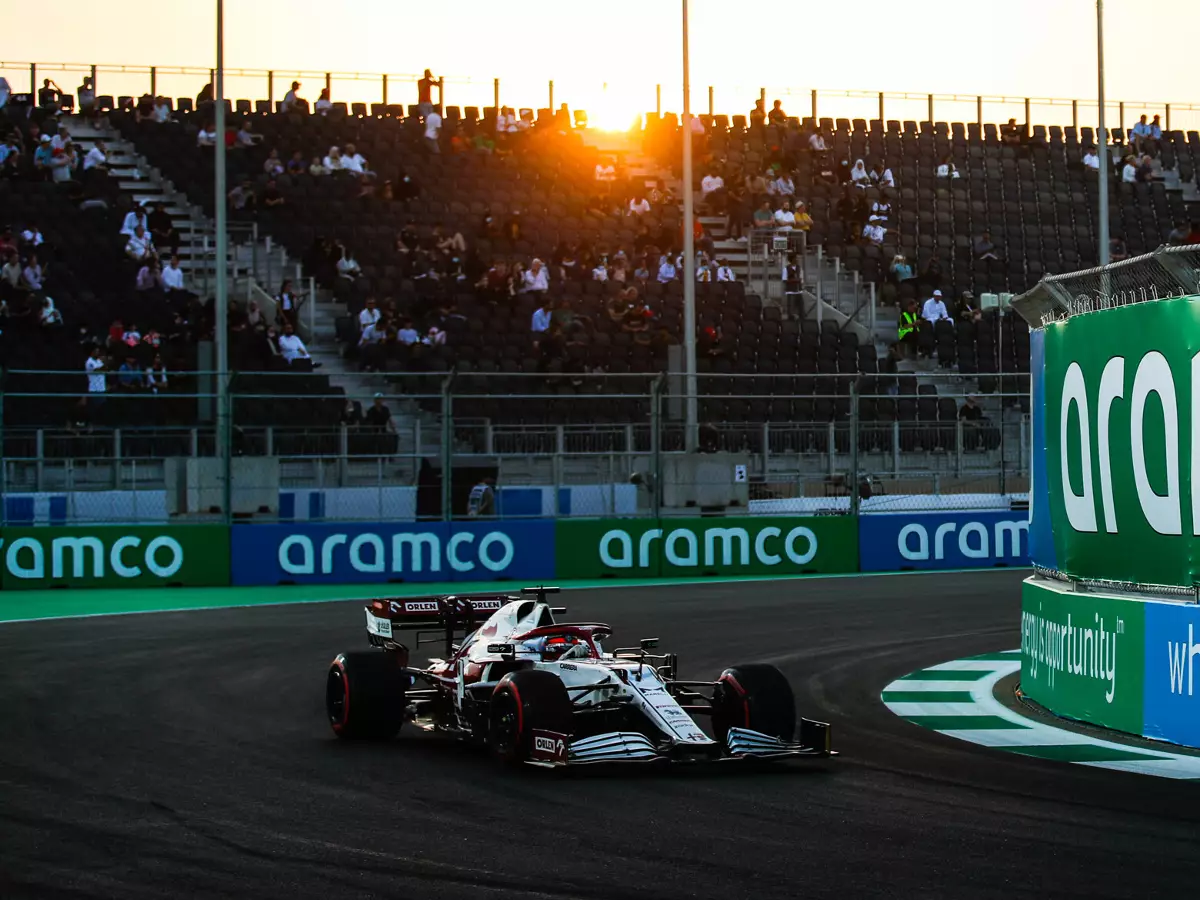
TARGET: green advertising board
(1083,656)
(746,545)
(109,556)
(1121,442)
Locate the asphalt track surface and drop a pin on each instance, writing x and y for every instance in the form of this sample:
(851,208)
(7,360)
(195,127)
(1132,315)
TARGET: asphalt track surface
(186,754)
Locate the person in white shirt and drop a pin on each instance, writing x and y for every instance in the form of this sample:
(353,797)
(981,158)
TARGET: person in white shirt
(162,110)
(323,104)
(207,137)
(1129,173)
(291,346)
(1091,159)
(32,236)
(372,334)
(666,270)
(33,273)
(874,232)
(859,177)
(785,219)
(292,102)
(333,162)
(96,158)
(600,273)
(541,318)
(407,334)
(433,128)
(506,122)
(882,176)
(61,139)
(139,247)
(724,272)
(639,206)
(536,278)
(347,266)
(354,162)
(817,142)
(947,169)
(935,309)
(246,137)
(172,275)
(370,315)
(784,186)
(135,219)
(97,383)
(712,190)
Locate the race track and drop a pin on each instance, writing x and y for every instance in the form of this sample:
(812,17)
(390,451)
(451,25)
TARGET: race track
(187,754)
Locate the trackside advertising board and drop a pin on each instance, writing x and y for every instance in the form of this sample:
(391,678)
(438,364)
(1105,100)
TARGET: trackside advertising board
(889,542)
(114,556)
(1083,656)
(1122,442)
(348,553)
(1172,699)
(718,546)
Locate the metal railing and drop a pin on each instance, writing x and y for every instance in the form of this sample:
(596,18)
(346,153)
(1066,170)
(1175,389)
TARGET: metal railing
(605,96)
(795,443)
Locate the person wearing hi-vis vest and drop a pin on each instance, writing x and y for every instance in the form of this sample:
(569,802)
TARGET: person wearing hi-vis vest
(906,331)
(482,500)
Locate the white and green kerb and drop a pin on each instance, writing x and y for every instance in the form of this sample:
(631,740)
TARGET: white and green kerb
(958,699)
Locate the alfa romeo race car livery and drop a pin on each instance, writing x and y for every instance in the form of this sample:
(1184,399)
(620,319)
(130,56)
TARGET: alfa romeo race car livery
(536,691)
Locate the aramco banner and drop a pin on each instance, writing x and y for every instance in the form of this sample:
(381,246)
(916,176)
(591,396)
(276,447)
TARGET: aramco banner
(1122,443)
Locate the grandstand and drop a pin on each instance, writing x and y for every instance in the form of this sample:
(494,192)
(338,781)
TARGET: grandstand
(790,373)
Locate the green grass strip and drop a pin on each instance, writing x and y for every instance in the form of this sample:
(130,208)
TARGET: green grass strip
(948,675)
(963,723)
(1081,753)
(927,697)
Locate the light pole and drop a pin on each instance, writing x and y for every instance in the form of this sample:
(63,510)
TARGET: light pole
(689,252)
(1102,149)
(221,293)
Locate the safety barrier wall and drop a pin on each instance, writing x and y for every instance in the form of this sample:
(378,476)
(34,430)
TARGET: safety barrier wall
(313,552)
(114,556)
(1124,663)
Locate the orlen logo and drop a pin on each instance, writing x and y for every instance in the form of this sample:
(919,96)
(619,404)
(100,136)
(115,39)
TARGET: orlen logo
(412,552)
(682,547)
(126,557)
(974,541)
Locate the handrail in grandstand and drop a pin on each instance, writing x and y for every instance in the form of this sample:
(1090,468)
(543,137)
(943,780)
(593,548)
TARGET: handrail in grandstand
(487,91)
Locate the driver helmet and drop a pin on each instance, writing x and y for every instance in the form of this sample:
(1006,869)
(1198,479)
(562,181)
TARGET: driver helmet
(552,646)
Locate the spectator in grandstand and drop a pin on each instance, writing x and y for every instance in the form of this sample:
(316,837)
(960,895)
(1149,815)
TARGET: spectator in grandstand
(10,156)
(246,138)
(712,191)
(96,159)
(1145,173)
(49,316)
(156,375)
(881,211)
(207,136)
(162,110)
(291,346)
(348,267)
(369,315)
(777,116)
(50,96)
(242,199)
(355,163)
(32,237)
(161,229)
(947,169)
(433,128)
(333,161)
(139,247)
(1129,174)
(639,205)
(273,166)
(666,269)
(172,275)
(783,186)
(816,142)
(738,207)
(296,165)
(784,218)
(1012,133)
(758,115)
(288,303)
(425,87)
(935,310)
(1145,137)
(874,232)
(33,274)
(967,309)
(97,384)
(293,102)
(129,375)
(87,96)
(1180,234)
(450,244)
(763,216)
(43,158)
(537,279)
(62,164)
(984,248)
(149,278)
(272,197)
(859,177)
(323,104)
(317,167)
(11,276)
(1091,159)
(970,411)
(881,176)
(1117,250)
(724,272)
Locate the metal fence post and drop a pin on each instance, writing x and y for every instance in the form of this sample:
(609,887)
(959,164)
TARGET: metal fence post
(551,95)
(881,115)
(873,303)
(816,121)
(1028,116)
(979,111)
(153,81)
(656,394)
(447,446)
(33,80)
(658,100)
(712,108)
(1075,114)
(496,95)
(930,120)
(1168,111)
(270,90)
(312,308)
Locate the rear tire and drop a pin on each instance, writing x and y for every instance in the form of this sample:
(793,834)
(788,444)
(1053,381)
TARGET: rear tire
(524,701)
(754,696)
(364,696)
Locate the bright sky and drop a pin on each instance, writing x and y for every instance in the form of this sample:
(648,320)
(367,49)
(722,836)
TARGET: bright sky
(1039,48)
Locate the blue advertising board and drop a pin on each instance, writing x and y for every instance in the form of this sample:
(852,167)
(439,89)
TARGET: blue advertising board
(888,542)
(1171,705)
(1041,535)
(349,553)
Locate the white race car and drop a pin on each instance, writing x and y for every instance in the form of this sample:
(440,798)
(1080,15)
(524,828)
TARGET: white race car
(536,691)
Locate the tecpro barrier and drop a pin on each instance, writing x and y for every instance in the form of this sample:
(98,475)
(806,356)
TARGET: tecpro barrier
(1121,441)
(718,546)
(303,553)
(889,542)
(114,556)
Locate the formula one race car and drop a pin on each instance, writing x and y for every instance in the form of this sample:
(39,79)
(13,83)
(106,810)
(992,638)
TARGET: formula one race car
(535,691)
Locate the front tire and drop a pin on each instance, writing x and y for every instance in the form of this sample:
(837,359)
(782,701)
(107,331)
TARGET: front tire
(754,696)
(364,696)
(525,701)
